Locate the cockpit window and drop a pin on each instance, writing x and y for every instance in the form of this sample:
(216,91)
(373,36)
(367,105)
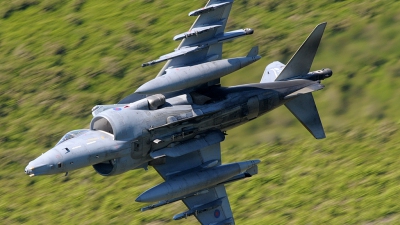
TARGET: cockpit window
(72,134)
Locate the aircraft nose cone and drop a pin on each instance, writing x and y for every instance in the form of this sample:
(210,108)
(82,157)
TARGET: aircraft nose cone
(34,169)
(29,170)
(44,164)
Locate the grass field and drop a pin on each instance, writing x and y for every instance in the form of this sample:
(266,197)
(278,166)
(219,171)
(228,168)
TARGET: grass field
(59,58)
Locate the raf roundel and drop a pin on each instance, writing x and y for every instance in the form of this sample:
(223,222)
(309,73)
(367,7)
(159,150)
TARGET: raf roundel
(217,213)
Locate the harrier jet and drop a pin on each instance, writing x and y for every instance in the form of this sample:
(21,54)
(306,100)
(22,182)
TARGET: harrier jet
(176,121)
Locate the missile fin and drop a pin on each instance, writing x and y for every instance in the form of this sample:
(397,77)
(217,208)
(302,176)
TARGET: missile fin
(253,52)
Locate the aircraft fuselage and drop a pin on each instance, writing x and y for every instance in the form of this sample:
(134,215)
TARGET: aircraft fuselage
(121,138)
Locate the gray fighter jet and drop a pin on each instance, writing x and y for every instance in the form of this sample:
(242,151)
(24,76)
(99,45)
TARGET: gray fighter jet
(176,121)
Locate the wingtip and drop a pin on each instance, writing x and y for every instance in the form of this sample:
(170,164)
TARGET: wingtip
(323,24)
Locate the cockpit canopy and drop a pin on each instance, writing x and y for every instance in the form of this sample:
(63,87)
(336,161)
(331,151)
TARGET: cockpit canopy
(72,134)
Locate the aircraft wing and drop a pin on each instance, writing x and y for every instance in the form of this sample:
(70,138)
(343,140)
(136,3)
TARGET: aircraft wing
(210,206)
(203,41)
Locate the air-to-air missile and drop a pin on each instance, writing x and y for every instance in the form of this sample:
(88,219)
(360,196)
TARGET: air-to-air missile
(181,185)
(181,78)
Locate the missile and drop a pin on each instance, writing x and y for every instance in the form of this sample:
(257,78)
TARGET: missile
(181,78)
(194,181)
(319,74)
(315,75)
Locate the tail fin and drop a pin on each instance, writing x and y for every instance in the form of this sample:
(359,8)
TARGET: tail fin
(302,105)
(301,61)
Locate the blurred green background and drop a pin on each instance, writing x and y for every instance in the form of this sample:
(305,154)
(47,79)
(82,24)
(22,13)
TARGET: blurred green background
(59,58)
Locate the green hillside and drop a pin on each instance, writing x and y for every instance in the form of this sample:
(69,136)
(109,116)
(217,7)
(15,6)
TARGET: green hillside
(59,58)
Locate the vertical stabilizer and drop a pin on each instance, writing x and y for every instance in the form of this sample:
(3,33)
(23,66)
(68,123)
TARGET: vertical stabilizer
(300,63)
(304,109)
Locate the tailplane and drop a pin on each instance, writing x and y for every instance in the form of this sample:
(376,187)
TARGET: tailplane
(304,109)
(302,104)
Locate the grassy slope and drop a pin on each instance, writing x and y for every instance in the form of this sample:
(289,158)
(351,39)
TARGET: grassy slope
(59,58)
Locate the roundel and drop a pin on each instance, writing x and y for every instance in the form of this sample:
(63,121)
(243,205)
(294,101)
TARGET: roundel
(217,213)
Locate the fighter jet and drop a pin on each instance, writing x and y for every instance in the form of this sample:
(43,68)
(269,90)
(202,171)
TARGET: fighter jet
(176,121)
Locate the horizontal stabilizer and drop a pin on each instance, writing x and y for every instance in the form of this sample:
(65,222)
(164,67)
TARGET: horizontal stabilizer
(304,109)
(300,63)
